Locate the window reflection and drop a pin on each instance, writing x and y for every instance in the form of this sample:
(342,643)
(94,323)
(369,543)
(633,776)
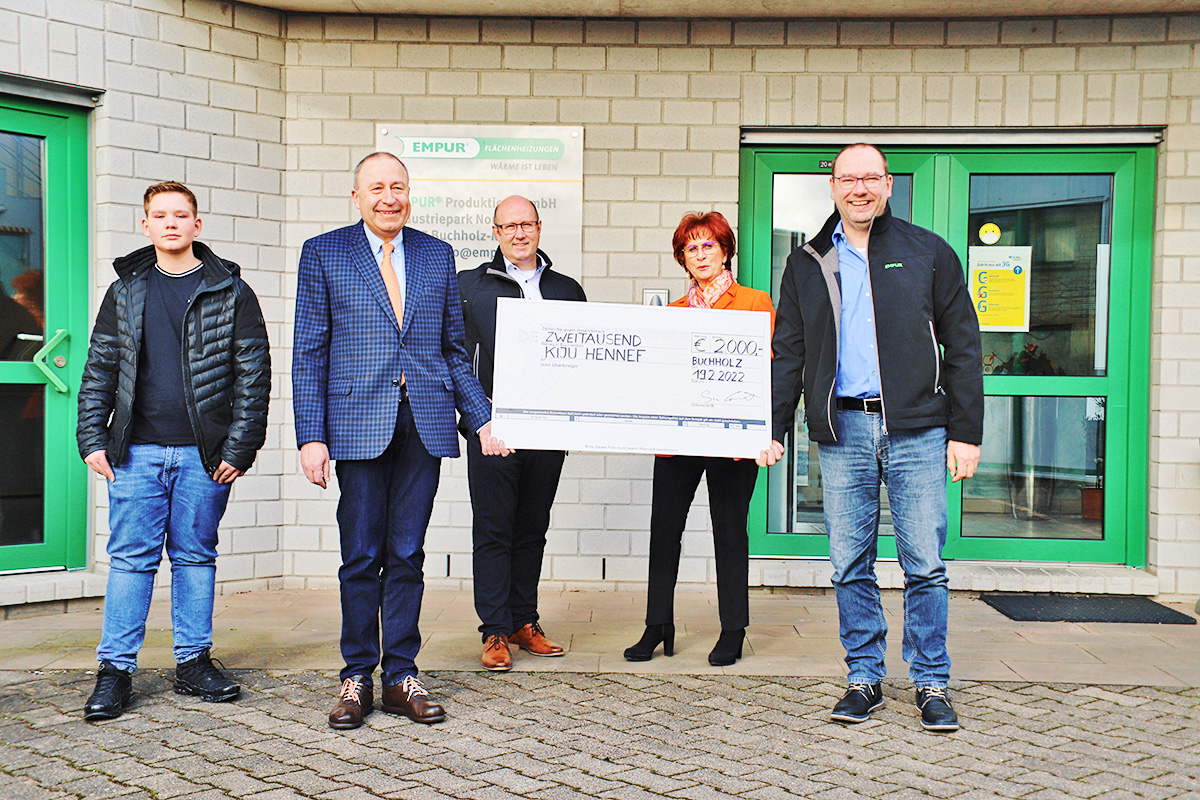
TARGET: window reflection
(1065,221)
(22,295)
(22,445)
(1041,471)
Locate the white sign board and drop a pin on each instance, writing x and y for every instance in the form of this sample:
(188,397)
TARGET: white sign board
(460,172)
(632,379)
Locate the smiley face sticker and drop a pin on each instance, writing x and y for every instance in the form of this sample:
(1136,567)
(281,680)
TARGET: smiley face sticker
(989,233)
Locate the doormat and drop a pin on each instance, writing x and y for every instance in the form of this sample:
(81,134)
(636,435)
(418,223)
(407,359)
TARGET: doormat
(1083,608)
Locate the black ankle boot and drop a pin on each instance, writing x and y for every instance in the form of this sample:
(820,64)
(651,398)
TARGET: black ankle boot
(728,648)
(644,649)
(113,693)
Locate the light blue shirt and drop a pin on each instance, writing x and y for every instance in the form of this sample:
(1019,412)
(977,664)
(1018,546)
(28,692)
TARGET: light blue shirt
(530,281)
(858,359)
(397,255)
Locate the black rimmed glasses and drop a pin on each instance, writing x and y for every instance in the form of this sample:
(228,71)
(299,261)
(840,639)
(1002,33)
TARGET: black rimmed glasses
(510,228)
(847,182)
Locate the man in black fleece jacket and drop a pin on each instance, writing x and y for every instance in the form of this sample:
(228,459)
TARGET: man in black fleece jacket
(876,328)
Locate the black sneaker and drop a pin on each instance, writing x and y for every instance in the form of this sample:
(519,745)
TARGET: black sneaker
(199,677)
(112,695)
(858,702)
(936,712)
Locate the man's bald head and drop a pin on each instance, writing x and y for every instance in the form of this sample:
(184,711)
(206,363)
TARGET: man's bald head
(515,204)
(378,154)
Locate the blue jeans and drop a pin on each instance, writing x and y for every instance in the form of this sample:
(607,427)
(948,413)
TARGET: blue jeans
(161,494)
(912,464)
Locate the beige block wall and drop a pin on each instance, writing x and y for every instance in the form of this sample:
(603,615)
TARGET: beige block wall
(661,103)
(265,114)
(193,92)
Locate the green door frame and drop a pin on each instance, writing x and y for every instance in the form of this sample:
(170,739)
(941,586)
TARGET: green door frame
(941,178)
(64,130)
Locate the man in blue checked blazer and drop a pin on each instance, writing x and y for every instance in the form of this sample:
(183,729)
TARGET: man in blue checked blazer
(378,369)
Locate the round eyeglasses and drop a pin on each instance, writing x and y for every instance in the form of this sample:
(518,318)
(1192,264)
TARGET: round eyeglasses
(703,247)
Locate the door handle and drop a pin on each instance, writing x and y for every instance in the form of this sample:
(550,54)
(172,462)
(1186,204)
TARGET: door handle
(39,359)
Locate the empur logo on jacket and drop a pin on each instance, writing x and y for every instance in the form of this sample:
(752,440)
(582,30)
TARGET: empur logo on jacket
(893,264)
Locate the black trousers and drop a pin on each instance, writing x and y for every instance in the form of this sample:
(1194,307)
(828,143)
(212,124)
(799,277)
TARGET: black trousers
(510,505)
(730,486)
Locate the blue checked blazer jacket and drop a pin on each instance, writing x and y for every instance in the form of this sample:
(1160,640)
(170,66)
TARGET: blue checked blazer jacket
(349,352)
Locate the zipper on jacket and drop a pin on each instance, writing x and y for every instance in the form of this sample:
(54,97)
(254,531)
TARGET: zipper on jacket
(937,360)
(188,386)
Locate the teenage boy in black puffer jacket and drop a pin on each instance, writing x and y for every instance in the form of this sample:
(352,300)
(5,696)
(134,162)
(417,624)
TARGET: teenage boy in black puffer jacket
(172,410)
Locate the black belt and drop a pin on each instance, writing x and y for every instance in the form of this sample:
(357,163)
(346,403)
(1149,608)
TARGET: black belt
(871,405)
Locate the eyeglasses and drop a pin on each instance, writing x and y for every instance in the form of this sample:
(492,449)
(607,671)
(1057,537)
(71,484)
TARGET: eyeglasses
(848,182)
(706,247)
(510,228)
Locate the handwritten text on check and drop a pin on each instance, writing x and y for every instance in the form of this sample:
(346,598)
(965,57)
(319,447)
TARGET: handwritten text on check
(624,378)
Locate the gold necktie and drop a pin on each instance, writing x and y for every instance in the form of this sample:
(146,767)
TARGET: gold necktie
(393,285)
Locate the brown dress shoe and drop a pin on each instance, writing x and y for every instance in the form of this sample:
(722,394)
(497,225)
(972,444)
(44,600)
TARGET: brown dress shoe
(531,637)
(410,699)
(496,655)
(354,703)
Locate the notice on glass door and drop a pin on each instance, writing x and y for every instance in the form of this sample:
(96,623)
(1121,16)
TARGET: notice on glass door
(998,278)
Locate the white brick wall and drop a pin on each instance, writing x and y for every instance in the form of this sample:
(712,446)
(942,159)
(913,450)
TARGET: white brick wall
(265,114)
(193,93)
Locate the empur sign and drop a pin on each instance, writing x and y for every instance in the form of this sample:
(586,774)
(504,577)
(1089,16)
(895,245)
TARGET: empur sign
(460,172)
(504,148)
(437,148)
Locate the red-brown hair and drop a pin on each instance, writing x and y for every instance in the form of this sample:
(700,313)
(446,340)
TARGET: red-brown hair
(713,224)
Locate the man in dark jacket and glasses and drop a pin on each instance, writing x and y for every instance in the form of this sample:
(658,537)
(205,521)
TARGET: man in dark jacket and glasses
(876,328)
(510,497)
(172,410)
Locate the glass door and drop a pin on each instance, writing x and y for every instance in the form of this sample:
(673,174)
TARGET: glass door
(1048,239)
(1049,242)
(43,301)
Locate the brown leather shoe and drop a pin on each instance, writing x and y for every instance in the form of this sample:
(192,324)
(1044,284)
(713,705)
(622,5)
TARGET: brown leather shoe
(531,637)
(410,699)
(496,655)
(354,703)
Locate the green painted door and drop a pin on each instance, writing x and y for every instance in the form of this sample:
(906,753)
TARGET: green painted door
(43,333)
(1066,335)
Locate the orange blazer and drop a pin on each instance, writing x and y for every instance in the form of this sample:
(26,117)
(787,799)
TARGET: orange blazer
(741,298)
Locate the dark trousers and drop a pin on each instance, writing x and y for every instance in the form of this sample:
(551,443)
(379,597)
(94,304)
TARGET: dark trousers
(510,503)
(730,486)
(382,515)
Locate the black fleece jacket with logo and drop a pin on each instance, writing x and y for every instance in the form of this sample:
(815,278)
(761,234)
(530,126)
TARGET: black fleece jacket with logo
(927,333)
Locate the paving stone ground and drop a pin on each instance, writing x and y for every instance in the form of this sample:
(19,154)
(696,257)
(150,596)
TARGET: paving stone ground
(557,736)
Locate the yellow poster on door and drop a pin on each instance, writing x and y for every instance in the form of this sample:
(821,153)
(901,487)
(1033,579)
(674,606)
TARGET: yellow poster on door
(998,278)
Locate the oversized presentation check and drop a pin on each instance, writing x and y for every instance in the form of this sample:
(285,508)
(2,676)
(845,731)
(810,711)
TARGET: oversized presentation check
(625,378)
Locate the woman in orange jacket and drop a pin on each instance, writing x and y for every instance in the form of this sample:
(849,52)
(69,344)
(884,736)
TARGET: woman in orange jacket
(704,246)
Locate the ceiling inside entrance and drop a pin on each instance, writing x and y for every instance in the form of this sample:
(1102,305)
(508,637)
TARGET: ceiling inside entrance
(747,9)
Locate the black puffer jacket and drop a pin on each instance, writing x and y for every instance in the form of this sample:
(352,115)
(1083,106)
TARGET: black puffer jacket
(226,363)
